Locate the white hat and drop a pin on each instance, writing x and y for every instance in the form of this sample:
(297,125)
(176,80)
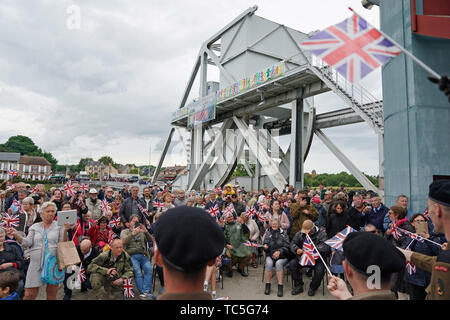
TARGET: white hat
(92,190)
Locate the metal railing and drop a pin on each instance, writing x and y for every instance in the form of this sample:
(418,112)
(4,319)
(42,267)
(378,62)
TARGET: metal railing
(357,94)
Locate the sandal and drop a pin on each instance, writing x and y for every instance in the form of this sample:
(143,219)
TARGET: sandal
(254,265)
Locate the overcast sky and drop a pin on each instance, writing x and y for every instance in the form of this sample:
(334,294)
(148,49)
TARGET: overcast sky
(109,87)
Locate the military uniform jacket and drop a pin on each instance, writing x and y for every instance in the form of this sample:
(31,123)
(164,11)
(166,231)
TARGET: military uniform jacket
(439,287)
(375,295)
(105,261)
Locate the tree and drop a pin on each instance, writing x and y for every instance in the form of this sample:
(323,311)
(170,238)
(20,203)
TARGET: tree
(22,145)
(83,163)
(26,146)
(106,160)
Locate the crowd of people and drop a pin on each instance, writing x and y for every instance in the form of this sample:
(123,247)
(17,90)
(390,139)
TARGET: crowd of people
(115,243)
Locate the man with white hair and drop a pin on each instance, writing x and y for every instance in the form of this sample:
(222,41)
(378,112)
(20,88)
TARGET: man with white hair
(86,253)
(376,215)
(181,199)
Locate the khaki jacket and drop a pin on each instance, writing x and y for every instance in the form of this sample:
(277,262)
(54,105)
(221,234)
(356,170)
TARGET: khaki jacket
(376,295)
(439,287)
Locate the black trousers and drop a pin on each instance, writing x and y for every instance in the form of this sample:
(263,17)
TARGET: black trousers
(296,272)
(416,292)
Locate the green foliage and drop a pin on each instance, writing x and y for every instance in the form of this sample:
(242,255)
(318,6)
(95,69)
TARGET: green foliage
(82,164)
(134,171)
(342,179)
(241,172)
(25,146)
(106,160)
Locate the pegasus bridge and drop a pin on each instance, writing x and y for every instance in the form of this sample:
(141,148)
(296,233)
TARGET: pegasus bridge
(266,89)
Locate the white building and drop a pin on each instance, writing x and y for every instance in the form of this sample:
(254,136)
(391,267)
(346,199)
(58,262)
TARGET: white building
(8,161)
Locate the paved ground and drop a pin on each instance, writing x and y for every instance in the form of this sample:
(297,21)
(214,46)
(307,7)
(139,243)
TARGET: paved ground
(237,288)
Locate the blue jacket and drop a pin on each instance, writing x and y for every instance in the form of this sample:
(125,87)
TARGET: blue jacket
(421,277)
(386,221)
(14,296)
(376,216)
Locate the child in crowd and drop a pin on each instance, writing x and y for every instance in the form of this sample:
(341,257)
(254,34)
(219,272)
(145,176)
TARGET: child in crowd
(9,281)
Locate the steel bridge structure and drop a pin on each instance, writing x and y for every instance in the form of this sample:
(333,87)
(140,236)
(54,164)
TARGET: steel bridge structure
(247,122)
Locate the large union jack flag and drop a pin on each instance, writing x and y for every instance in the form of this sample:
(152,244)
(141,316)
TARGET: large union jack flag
(310,253)
(128,288)
(352,47)
(337,241)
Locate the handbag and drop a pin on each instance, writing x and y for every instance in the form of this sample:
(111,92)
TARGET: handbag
(67,254)
(50,273)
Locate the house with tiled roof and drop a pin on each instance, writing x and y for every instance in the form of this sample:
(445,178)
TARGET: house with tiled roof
(34,168)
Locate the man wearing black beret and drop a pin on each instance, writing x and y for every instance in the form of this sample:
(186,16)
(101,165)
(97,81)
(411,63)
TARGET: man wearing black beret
(439,211)
(370,261)
(186,241)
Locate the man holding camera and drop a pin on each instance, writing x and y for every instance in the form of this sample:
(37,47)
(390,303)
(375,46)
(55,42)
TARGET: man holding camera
(109,270)
(357,212)
(135,241)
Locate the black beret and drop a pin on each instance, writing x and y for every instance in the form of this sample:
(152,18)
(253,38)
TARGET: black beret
(363,249)
(188,238)
(440,192)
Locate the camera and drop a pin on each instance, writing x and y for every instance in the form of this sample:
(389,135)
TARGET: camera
(36,198)
(137,224)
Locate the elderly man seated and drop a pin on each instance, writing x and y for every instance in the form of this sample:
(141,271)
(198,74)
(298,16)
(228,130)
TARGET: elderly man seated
(110,269)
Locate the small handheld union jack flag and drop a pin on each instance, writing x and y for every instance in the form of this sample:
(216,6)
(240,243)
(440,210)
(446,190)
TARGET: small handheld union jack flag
(396,233)
(34,190)
(309,255)
(337,241)
(260,216)
(410,268)
(412,235)
(158,204)
(218,190)
(114,222)
(426,214)
(104,205)
(84,187)
(111,236)
(227,212)
(13,173)
(251,212)
(128,288)
(68,188)
(82,274)
(213,211)
(10,220)
(252,244)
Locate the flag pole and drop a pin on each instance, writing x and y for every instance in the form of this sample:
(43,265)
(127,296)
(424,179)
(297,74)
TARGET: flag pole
(408,232)
(320,256)
(409,54)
